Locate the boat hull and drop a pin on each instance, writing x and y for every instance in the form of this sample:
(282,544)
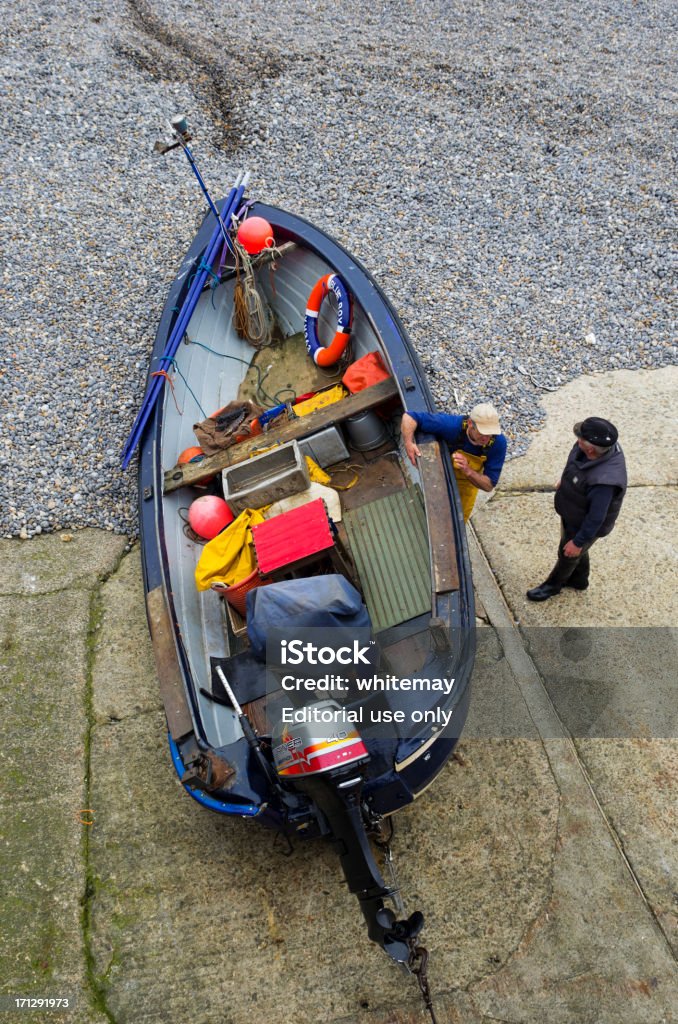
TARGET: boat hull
(402,767)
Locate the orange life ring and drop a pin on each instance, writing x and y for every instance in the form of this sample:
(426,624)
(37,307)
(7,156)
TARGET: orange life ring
(320,355)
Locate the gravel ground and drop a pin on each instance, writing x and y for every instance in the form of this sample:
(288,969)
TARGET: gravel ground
(505,170)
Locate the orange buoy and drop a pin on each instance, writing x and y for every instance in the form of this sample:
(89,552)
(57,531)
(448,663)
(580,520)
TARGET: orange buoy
(255,234)
(209,515)
(193,454)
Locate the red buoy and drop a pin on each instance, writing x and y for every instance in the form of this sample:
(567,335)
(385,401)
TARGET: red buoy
(255,234)
(208,516)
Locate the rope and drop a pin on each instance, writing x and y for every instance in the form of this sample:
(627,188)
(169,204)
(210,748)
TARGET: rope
(250,317)
(176,369)
(206,267)
(188,529)
(338,369)
(292,399)
(260,377)
(351,483)
(165,374)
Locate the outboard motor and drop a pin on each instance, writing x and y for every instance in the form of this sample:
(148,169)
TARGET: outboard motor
(324,757)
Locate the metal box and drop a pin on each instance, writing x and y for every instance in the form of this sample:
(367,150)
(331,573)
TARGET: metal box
(326,447)
(265,478)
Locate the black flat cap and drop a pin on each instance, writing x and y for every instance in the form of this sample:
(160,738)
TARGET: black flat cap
(597,431)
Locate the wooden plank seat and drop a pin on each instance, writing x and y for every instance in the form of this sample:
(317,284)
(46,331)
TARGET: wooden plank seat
(303,426)
(443,544)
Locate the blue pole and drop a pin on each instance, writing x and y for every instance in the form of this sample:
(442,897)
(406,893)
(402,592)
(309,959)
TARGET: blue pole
(179,329)
(203,186)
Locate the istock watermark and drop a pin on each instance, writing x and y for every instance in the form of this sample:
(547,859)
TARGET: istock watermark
(298,652)
(337,677)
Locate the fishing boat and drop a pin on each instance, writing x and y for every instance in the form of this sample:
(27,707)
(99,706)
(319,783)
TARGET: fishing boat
(324,688)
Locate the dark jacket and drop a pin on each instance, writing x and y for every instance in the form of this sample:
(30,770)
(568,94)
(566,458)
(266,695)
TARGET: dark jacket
(580,475)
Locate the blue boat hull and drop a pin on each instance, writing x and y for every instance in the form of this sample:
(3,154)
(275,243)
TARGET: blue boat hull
(404,769)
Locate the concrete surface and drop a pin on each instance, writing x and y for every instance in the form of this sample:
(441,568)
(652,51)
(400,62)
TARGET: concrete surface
(48,611)
(543,859)
(641,403)
(633,571)
(619,636)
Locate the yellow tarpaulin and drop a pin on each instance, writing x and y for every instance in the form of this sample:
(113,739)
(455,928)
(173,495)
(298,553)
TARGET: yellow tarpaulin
(328,396)
(229,558)
(317,475)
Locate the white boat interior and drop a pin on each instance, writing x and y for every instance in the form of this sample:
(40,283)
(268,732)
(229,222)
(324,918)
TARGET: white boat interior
(383,525)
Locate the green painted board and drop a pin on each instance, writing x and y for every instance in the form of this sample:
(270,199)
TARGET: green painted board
(389,543)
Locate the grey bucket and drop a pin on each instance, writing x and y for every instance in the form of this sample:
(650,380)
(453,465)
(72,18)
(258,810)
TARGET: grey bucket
(365,431)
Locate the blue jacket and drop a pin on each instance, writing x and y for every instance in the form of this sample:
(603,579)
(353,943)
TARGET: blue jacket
(451,429)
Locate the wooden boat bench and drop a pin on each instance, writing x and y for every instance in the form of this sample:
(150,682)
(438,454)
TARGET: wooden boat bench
(441,532)
(304,426)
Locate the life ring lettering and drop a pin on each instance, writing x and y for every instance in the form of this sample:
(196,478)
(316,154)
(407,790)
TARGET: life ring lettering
(320,355)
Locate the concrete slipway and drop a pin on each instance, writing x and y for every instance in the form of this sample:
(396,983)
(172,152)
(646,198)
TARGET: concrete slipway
(544,857)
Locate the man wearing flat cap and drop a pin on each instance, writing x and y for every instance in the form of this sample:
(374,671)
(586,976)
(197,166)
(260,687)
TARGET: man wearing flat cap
(588,499)
(476,441)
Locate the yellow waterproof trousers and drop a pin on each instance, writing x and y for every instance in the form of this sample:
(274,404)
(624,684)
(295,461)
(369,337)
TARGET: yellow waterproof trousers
(468,492)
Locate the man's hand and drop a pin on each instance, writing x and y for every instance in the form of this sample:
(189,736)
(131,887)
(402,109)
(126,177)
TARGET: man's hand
(461,462)
(408,427)
(571,550)
(479,480)
(412,450)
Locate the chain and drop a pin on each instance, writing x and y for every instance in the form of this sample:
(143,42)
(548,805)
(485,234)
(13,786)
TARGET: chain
(418,963)
(389,864)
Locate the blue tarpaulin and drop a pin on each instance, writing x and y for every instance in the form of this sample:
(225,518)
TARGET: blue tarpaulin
(318,602)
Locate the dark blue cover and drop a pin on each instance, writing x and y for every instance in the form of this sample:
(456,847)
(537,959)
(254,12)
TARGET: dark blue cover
(325,602)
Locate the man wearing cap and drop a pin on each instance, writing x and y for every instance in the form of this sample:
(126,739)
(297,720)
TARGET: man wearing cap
(477,443)
(588,499)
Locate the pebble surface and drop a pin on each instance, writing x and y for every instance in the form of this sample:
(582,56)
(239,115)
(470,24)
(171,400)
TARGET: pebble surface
(505,171)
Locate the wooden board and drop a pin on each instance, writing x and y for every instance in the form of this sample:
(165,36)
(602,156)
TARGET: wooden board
(378,475)
(171,683)
(192,472)
(389,544)
(444,571)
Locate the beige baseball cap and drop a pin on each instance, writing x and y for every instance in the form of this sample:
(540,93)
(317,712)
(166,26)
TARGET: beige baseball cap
(486,418)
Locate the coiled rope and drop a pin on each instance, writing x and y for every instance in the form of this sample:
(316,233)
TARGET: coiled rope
(250,317)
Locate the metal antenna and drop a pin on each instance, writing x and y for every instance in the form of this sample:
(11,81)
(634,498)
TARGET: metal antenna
(181,137)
